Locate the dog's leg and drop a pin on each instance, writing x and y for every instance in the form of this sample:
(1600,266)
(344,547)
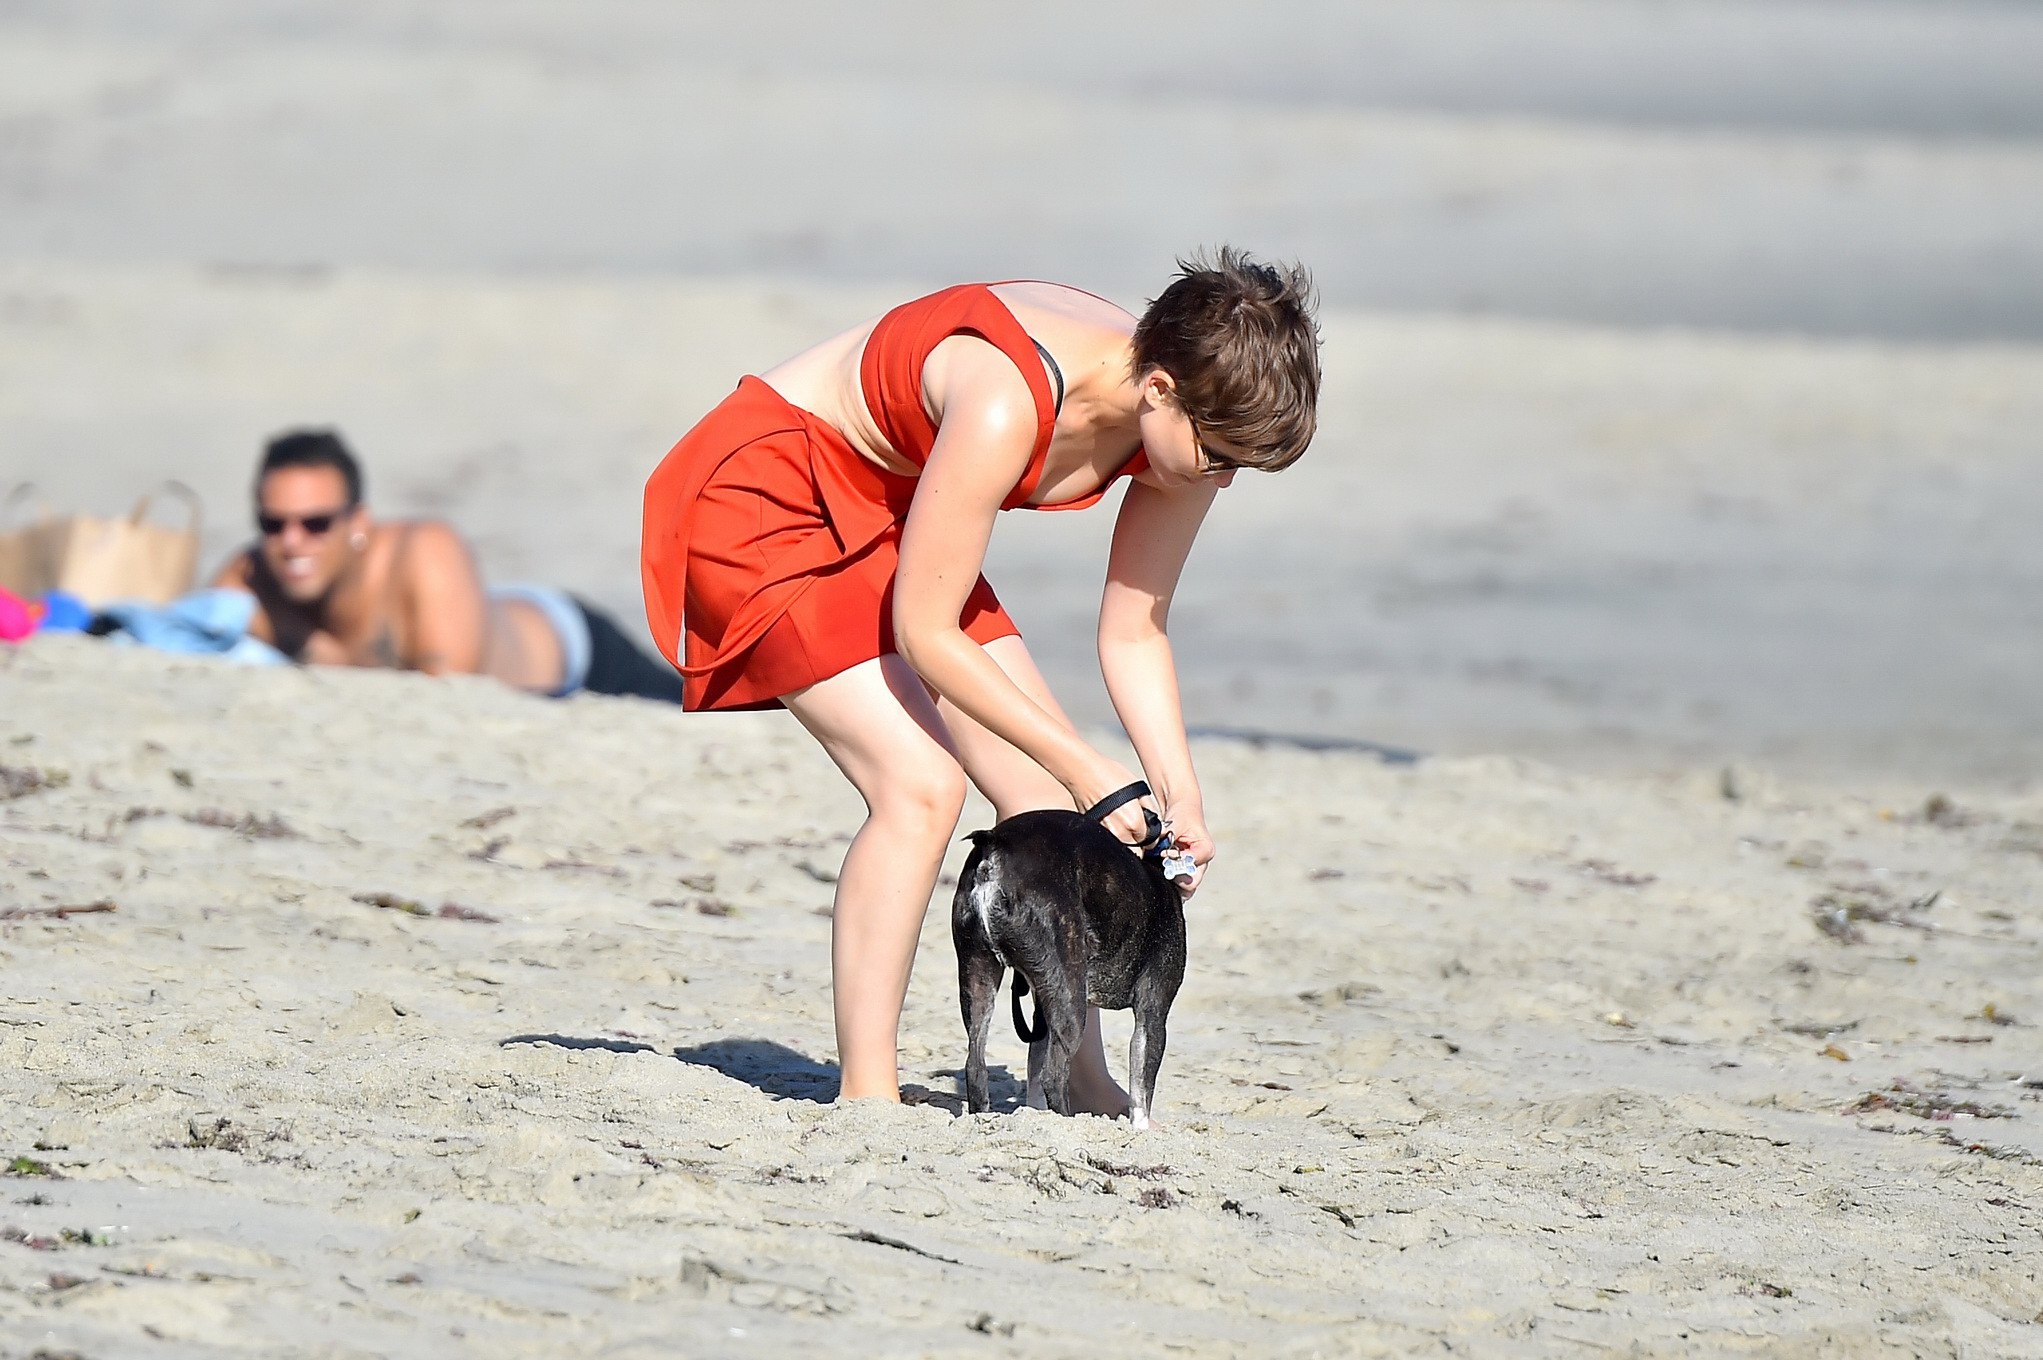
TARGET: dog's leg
(1145,1050)
(1043,966)
(1145,1060)
(1140,1084)
(979,974)
(1039,1059)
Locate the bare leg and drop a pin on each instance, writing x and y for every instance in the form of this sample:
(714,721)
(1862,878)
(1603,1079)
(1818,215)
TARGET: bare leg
(1061,1000)
(877,722)
(1013,783)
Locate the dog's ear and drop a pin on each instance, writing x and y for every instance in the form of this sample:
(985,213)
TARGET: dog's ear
(977,838)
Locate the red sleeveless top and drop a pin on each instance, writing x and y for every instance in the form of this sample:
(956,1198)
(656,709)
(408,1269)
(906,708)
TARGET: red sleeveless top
(890,373)
(770,545)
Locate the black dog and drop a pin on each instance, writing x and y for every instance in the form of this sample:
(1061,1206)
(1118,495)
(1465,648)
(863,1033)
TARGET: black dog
(1061,900)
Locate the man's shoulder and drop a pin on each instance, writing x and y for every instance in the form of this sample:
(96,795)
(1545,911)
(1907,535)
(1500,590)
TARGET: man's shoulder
(426,549)
(428,535)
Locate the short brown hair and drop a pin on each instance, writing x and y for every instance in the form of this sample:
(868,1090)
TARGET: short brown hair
(1239,342)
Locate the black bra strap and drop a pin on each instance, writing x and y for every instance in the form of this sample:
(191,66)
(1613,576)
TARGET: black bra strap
(1050,361)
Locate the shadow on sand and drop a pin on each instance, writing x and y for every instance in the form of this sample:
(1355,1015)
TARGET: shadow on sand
(576,1041)
(773,1068)
(1259,739)
(781,1072)
(1005,1091)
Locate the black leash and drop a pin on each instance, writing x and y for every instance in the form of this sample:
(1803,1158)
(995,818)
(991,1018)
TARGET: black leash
(1157,845)
(1021,1026)
(1120,798)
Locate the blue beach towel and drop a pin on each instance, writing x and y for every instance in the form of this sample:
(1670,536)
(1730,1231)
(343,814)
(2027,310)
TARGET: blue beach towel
(203,623)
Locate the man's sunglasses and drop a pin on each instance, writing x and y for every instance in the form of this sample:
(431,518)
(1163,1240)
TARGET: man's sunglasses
(315,525)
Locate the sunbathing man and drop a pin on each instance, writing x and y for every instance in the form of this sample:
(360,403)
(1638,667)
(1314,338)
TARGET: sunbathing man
(815,543)
(335,587)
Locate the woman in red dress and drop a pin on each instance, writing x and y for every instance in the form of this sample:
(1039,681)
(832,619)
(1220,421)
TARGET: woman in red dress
(815,543)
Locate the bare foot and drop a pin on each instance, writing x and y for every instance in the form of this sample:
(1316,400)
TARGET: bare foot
(1091,1088)
(888,1092)
(1096,1092)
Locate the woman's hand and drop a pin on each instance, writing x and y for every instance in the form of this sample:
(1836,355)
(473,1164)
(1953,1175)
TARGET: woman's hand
(1188,829)
(1103,777)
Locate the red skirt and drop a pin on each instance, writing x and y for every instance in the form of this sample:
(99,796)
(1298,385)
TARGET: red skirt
(769,555)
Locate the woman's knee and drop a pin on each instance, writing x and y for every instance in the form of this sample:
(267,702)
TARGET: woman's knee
(926,794)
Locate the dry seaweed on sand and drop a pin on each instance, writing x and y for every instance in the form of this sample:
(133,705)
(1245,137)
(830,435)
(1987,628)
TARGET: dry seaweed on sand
(448,911)
(19,781)
(1838,912)
(1939,810)
(1836,922)
(1822,1029)
(1999,1152)
(1905,1097)
(1140,1173)
(575,864)
(247,825)
(704,906)
(58,913)
(1605,871)
(215,1132)
(454,911)
(1939,1110)
(392,902)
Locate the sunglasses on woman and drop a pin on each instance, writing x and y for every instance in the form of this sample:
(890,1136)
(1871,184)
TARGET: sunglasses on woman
(1211,463)
(315,525)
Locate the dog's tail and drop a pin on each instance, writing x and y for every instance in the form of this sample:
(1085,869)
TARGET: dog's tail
(975,878)
(1022,1029)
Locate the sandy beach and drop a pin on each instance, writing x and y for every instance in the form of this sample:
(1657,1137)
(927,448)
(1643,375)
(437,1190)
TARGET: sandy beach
(1683,360)
(1621,730)
(425,1019)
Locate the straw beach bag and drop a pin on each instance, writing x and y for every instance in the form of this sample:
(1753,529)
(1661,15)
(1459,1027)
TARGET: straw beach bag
(99,560)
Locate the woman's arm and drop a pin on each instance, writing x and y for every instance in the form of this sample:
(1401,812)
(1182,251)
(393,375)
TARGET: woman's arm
(1152,539)
(982,448)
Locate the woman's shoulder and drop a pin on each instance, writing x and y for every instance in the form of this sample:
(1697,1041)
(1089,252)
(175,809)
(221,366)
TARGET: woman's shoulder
(1061,300)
